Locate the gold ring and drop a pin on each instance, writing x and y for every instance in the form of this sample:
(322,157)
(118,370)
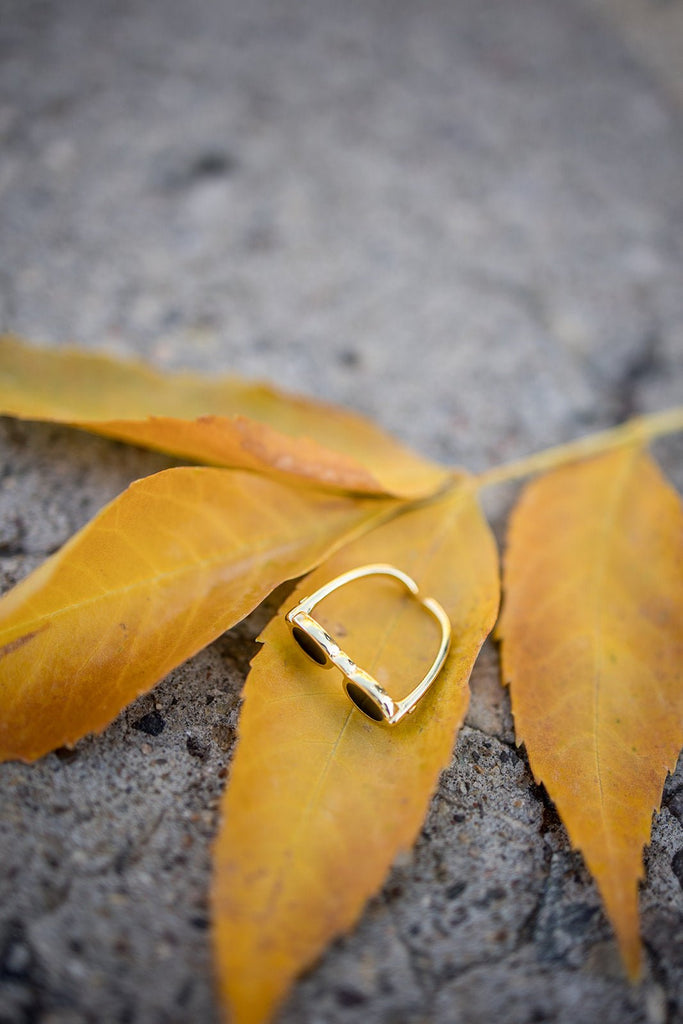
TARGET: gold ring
(361,688)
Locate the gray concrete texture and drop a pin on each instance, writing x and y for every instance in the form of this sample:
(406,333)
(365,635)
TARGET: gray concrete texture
(463,217)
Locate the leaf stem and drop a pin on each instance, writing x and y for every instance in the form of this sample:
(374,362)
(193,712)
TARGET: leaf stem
(640,430)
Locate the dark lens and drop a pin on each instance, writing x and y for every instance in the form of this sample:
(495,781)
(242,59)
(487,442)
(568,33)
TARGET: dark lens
(364,702)
(309,646)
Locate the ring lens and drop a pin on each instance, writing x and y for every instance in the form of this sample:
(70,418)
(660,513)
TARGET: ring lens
(309,646)
(364,702)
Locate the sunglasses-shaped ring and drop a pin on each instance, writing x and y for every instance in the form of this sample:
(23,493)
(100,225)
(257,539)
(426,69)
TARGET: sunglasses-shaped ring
(361,688)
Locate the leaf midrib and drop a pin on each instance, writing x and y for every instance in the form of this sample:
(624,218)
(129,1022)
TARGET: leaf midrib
(147,582)
(602,561)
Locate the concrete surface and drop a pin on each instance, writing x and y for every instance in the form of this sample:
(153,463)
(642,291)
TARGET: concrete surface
(462,217)
(653,29)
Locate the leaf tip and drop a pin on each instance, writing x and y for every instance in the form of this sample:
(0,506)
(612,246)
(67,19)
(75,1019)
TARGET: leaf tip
(632,958)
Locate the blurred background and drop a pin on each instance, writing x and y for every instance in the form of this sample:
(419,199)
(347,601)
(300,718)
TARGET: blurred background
(461,217)
(450,215)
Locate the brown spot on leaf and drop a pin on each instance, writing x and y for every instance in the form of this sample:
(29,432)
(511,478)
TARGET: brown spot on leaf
(14,645)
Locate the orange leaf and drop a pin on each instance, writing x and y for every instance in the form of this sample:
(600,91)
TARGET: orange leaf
(321,799)
(164,569)
(223,421)
(592,632)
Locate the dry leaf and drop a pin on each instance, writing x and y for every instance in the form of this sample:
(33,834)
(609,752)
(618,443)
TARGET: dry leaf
(592,631)
(164,569)
(320,799)
(223,421)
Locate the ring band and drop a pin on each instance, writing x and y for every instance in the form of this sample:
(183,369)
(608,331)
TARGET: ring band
(361,688)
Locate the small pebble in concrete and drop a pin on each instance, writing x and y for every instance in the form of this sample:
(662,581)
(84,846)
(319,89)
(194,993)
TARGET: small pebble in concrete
(152,723)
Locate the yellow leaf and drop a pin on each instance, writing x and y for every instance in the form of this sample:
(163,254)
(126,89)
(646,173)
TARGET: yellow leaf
(164,569)
(321,799)
(592,632)
(223,421)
